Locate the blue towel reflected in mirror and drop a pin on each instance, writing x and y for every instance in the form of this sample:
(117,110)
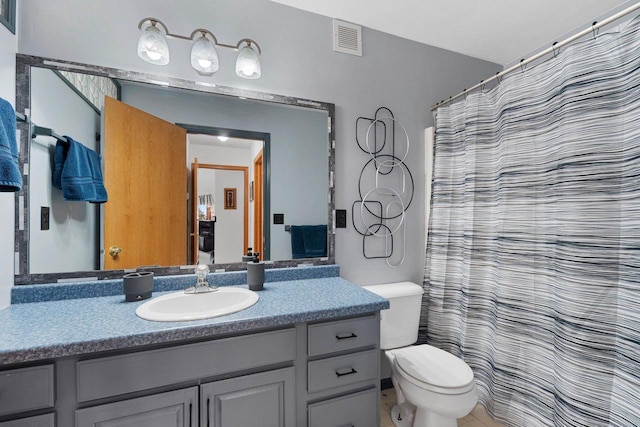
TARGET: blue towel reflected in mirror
(77,171)
(308,241)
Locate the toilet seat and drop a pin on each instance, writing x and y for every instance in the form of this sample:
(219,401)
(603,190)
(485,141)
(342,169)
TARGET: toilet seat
(433,369)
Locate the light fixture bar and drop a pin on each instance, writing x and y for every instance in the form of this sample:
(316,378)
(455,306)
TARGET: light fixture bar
(153,48)
(171,35)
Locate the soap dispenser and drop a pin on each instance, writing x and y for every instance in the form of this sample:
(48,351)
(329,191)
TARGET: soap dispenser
(250,256)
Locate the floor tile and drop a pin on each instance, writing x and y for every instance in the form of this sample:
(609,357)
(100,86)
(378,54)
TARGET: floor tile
(481,414)
(385,420)
(466,420)
(474,423)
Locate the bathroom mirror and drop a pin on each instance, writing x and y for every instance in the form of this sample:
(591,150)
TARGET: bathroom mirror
(289,138)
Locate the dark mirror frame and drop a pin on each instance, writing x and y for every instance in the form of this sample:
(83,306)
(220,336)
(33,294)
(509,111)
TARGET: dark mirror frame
(23,105)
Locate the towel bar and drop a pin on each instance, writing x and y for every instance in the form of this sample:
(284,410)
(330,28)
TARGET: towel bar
(39,130)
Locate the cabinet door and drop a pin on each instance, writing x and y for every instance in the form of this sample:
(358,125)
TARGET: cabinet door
(173,409)
(259,400)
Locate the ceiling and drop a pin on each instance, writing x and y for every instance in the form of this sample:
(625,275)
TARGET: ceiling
(500,31)
(213,141)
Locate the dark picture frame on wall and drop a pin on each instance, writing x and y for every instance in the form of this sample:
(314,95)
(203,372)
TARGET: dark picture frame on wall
(8,14)
(230,198)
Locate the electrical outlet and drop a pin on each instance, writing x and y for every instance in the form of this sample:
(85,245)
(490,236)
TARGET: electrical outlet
(44,218)
(341,218)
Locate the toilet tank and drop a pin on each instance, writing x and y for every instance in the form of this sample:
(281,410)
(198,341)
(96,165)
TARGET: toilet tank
(399,323)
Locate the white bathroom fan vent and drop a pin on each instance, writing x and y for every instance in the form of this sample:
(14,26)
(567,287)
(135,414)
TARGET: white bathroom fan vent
(347,38)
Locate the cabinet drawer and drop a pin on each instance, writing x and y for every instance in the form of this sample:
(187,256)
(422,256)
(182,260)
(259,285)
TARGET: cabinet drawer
(357,410)
(342,335)
(342,370)
(39,421)
(111,376)
(26,389)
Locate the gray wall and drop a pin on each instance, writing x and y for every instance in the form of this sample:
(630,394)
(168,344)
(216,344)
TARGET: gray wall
(297,60)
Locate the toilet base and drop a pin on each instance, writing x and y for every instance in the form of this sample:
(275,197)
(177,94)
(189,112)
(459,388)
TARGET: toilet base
(402,415)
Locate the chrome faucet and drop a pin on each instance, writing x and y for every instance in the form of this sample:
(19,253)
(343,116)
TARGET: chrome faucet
(202,285)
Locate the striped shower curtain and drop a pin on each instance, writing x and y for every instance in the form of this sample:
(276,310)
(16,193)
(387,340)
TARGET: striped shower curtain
(532,273)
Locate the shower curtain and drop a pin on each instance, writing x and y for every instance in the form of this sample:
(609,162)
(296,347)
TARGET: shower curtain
(533,261)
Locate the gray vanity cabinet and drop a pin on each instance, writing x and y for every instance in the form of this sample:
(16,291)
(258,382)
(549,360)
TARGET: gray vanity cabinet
(319,374)
(173,409)
(260,400)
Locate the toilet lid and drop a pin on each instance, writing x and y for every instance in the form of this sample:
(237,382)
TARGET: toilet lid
(435,367)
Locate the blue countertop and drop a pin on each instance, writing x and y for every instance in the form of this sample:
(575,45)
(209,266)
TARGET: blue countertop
(52,329)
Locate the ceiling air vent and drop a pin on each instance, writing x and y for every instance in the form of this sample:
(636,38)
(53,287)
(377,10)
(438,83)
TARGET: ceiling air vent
(347,38)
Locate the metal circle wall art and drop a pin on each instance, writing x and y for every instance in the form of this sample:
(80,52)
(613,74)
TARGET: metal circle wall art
(385,187)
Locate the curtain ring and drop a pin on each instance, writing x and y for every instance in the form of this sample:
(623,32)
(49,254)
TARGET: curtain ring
(482,86)
(523,66)
(498,77)
(464,91)
(594,30)
(555,52)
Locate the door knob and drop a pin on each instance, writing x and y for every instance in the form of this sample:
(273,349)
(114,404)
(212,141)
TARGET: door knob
(114,251)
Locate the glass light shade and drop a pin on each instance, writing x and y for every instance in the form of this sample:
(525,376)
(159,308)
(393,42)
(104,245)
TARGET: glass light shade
(204,58)
(153,47)
(248,63)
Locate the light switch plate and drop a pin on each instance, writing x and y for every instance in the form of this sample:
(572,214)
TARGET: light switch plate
(44,217)
(341,218)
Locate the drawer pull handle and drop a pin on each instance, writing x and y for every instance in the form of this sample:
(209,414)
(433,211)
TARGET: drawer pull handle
(339,337)
(342,374)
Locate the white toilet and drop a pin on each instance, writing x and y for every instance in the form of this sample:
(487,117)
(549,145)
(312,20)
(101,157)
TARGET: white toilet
(433,387)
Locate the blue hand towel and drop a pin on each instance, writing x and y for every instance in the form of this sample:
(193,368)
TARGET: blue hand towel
(78,172)
(95,162)
(297,242)
(308,241)
(59,155)
(315,240)
(10,178)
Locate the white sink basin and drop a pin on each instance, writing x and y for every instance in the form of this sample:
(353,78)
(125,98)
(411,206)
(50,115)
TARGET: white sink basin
(179,306)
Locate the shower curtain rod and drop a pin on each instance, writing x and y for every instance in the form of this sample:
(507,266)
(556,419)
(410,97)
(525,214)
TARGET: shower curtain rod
(556,45)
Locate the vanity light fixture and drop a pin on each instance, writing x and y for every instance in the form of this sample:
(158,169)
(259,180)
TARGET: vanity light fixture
(154,49)
(248,62)
(152,45)
(204,58)
(223,138)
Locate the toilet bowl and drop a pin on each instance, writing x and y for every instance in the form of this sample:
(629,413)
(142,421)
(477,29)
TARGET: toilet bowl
(433,387)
